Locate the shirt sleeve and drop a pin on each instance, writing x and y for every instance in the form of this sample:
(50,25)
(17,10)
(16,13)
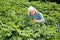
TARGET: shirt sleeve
(42,18)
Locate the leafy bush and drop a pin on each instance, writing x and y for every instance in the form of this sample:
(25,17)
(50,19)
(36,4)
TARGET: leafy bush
(15,25)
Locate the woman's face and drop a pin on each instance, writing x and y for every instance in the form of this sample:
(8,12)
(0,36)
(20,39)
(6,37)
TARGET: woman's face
(32,12)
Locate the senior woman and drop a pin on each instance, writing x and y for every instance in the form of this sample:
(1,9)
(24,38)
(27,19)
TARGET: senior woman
(36,16)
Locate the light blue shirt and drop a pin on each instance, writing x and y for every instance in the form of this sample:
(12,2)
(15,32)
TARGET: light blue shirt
(37,16)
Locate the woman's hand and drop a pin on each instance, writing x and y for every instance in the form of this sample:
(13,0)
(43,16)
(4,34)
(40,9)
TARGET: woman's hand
(35,21)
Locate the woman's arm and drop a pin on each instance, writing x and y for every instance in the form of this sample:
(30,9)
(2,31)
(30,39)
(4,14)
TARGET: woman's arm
(42,18)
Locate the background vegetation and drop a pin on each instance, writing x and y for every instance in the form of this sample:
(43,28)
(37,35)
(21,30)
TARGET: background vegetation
(15,25)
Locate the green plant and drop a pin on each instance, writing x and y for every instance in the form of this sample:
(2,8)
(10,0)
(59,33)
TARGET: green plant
(15,24)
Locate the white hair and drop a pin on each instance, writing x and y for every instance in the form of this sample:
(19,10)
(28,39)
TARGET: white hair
(32,8)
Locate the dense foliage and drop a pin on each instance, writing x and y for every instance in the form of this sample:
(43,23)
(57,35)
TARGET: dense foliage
(57,1)
(15,25)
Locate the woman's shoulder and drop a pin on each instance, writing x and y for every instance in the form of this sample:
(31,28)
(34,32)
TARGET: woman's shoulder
(38,13)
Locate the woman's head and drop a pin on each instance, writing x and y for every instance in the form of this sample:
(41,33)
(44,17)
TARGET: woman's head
(32,10)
